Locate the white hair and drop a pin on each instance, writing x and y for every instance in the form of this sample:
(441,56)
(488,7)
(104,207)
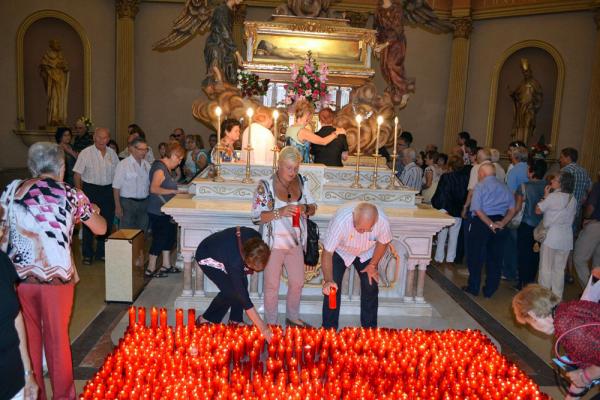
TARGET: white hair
(409,153)
(495,155)
(45,158)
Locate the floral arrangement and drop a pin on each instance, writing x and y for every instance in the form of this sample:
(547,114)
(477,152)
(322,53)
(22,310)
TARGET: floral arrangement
(539,151)
(251,85)
(87,122)
(309,82)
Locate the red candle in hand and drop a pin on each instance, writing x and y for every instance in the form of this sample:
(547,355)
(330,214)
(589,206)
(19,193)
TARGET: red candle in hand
(154,318)
(178,317)
(296,218)
(332,298)
(131,316)
(142,315)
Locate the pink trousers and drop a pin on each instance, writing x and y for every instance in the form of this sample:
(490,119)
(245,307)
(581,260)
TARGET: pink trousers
(46,311)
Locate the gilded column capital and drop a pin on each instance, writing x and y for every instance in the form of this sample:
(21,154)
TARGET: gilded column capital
(127,8)
(463,27)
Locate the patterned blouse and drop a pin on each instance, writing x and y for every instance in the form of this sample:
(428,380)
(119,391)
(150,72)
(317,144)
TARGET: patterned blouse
(40,217)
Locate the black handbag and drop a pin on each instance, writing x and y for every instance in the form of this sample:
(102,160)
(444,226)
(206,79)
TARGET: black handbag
(311,255)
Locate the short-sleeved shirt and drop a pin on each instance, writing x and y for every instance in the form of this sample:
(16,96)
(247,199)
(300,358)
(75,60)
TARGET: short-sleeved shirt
(221,251)
(12,376)
(594,201)
(559,212)
(40,227)
(331,154)
(96,168)
(345,240)
(534,191)
(492,197)
(582,181)
(517,175)
(155,201)
(412,176)
(131,178)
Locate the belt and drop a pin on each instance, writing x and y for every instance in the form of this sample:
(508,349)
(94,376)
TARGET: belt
(132,199)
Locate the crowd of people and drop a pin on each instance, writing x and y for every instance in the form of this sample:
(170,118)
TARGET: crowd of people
(521,224)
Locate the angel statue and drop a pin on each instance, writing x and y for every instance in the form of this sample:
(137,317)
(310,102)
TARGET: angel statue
(389,23)
(220,52)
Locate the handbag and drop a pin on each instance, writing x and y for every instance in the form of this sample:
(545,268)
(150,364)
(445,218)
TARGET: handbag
(540,231)
(311,254)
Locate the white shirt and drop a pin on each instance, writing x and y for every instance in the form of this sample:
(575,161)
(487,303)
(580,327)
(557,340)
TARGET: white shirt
(94,168)
(263,142)
(132,178)
(500,174)
(345,240)
(559,212)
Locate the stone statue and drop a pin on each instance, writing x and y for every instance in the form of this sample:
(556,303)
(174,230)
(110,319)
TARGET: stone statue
(199,16)
(55,73)
(390,17)
(306,8)
(527,100)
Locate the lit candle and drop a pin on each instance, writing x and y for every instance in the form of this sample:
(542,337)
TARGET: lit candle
(359,119)
(178,317)
(142,316)
(218,112)
(163,317)
(191,318)
(395,133)
(249,113)
(131,316)
(275,118)
(379,122)
(153,317)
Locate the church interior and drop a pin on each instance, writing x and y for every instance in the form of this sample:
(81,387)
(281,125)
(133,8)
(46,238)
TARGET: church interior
(447,118)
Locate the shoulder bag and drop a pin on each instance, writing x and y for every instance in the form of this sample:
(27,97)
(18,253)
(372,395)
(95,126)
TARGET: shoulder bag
(311,254)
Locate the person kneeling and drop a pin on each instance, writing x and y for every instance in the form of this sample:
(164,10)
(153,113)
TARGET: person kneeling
(226,258)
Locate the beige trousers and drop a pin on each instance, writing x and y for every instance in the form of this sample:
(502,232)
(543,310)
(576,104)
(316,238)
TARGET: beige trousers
(587,246)
(293,259)
(552,269)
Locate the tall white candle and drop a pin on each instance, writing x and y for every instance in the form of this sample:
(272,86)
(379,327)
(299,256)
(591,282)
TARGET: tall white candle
(395,133)
(250,113)
(379,122)
(358,121)
(218,112)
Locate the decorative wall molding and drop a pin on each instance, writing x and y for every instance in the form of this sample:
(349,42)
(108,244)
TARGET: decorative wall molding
(127,8)
(560,80)
(87,61)
(462,27)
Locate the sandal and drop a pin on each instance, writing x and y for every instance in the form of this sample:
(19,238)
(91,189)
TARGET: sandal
(302,324)
(154,274)
(170,270)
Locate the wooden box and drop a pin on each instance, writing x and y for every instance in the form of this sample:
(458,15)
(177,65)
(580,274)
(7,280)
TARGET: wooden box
(124,268)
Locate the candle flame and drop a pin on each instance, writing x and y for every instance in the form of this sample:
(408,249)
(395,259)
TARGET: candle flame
(275,115)
(396,120)
(359,118)
(380,120)
(250,112)
(218,111)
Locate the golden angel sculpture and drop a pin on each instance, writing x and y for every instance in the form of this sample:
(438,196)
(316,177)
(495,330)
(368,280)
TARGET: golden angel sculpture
(198,17)
(55,74)
(390,17)
(527,100)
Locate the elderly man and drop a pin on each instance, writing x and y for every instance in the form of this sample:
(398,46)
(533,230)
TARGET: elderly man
(94,173)
(412,174)
(358,234)
(130,187)
(492,207)
(82,138)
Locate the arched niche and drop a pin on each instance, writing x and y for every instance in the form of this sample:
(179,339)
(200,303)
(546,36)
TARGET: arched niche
(549,70)
(32,41)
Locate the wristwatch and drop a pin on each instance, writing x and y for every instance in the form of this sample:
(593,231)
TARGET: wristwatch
(491,225)
(28,372)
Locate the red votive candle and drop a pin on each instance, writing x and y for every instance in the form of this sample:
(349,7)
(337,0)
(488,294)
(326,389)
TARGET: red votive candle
(163,317)
(142,316)
(153,317)
(191,318)
(178,317)
(131,316)
(332,298)
(296,218)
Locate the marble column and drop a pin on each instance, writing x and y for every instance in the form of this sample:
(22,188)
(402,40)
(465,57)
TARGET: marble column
(591,133)
(124,91)
(457,85)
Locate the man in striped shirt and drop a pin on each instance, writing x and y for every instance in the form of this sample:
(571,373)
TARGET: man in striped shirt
(357,234)
(412,174)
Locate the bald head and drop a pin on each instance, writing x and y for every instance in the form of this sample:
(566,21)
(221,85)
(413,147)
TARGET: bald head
(101,138)
(365,216)
(486,170)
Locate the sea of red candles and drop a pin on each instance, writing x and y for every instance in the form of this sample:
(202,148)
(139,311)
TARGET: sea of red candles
(214,361)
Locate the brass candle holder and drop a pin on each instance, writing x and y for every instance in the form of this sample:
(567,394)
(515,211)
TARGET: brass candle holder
(356,184)
(248,148)
(218,177)
(392,185)
(374,184)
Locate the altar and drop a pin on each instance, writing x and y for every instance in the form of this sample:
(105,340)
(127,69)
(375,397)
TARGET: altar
(213,206)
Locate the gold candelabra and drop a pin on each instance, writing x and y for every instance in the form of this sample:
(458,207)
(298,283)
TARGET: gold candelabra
(248,148)
(356,184)
(218,177)
(374,184)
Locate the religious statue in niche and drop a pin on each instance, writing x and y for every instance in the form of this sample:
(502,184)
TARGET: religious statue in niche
(55,73)
(220,52)
(527,101)
(305,8)
(390,17)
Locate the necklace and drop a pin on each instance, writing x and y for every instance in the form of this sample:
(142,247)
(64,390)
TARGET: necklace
(287,187)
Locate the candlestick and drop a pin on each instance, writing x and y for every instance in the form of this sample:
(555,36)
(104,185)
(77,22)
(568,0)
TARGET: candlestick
(248,178)
(374,184)
(275,134)
(218,177)
(392,184)
(356,184)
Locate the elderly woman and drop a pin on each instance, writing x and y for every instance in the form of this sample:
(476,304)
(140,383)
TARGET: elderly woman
(196,159)
(230,134)
(262,138)
(163,187)
(575,324)
(559,207)
(281,204)
(41,213)
(226,258)
(301,134)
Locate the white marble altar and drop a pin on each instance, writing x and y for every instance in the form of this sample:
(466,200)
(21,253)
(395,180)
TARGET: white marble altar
(212,206)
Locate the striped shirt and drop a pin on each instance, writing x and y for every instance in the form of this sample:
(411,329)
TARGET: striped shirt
(132,178)
(345,240)
(94,168)
(582,181)
(412,176)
